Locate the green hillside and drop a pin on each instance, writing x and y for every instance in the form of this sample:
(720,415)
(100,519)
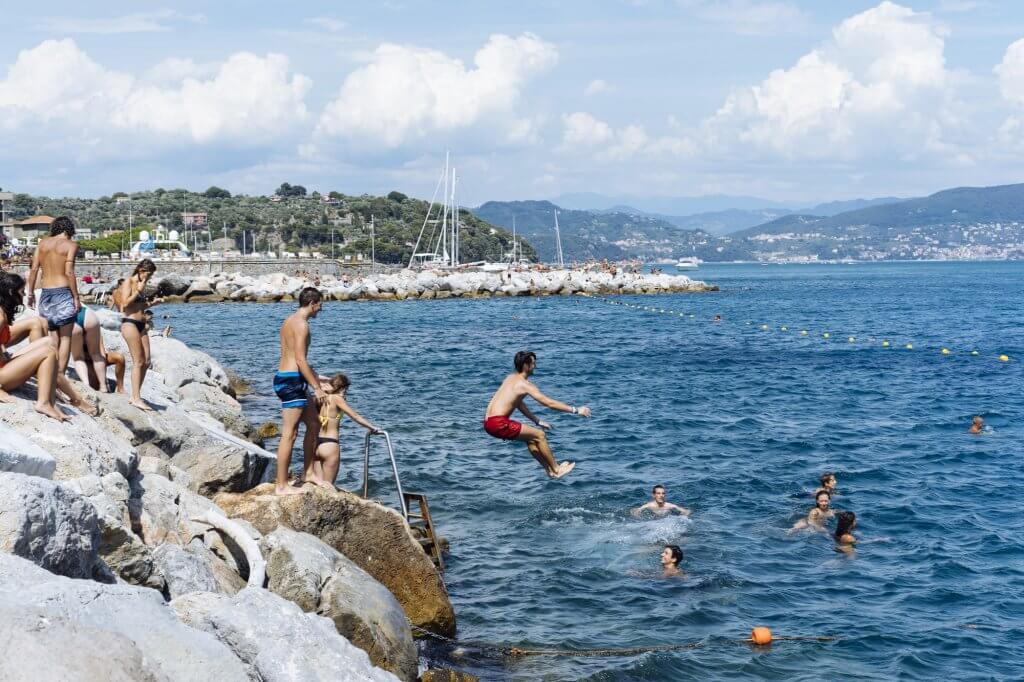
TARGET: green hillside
(297,222)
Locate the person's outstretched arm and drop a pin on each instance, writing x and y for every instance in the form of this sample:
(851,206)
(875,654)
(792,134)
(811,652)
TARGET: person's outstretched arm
(553,404)
(532,417)
(352,414)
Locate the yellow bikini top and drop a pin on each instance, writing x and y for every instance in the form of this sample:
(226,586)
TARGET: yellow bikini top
(324,418)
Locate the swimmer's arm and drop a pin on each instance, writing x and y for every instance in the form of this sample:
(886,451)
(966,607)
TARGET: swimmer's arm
(69,272)
(682,510)
(352,414)
(641,509)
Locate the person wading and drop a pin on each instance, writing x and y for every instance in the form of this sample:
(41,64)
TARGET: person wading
(509,398)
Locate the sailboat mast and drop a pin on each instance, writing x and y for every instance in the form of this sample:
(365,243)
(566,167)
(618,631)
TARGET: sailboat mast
(558,242)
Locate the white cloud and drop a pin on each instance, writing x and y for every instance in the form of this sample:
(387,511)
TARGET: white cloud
(160,21)
(596,87)
(879,86)
(1011,73)
(583,131)
(406,92)
(748,16)
(57,87)
(328,23)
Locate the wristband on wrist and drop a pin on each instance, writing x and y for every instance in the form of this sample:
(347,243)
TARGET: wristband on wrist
(574,410)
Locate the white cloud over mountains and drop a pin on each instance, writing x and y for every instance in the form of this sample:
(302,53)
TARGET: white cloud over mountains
(405,93)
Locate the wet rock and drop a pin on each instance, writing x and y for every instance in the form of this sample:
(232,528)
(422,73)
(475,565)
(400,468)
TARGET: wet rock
(50,525)
(172,650)
(21,456)
(275,639)
(319,579)
(375,538)
(172,284)
(447,675)
(268,430)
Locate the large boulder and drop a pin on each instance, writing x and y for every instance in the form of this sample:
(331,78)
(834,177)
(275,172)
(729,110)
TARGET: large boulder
(375,538)
(319,579)
(50,525)
(161,510)
(201,286)
(277,641)
(20,455)
(172,284)
(172,650)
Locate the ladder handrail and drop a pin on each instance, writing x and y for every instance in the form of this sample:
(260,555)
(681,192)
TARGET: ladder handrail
(394,468)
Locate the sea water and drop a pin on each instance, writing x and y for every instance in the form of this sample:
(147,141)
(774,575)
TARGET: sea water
(737,422)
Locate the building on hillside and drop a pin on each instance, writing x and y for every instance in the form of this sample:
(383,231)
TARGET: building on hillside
(193,220)
(123,200)
(6,224)
(31,229)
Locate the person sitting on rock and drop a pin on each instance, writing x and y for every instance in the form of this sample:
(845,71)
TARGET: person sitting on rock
(509,398)
(328,443)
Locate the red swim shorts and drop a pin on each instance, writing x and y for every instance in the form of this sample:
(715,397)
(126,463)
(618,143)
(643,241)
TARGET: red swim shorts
(502,427)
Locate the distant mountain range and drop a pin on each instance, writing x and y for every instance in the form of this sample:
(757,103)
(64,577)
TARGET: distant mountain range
(962,223)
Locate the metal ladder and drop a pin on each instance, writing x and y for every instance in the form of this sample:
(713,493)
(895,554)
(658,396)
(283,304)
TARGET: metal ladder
(420,520)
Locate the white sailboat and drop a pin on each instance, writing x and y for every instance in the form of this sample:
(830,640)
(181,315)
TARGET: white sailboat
(558,243)
(445,230)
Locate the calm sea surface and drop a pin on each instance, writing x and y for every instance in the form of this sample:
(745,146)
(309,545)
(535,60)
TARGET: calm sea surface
(738,423)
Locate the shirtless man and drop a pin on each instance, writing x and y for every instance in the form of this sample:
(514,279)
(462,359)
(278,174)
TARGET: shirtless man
(977,426)
(509,398)
(818,516)
(59,302)
(658,506)
(291,383)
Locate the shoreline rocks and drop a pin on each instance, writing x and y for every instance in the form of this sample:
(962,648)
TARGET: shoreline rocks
(404,285)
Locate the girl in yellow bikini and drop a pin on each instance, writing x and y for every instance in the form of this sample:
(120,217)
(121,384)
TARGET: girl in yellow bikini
(332,411)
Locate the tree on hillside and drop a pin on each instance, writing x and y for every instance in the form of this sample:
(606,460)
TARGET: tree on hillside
(287,190)
(397,196)
(215,192)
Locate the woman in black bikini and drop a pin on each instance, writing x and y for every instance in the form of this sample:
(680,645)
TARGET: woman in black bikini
(132,302)
(328,447)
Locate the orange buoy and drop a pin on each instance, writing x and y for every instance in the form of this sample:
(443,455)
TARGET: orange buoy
(761,636)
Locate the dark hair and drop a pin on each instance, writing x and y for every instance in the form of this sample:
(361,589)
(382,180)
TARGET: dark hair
(820,493)
(145,265)
(10,302)
(522,357)
(309,296)
(825,476)
(677,553)
(655,488)
(339,382)
(844,521)
(62,225)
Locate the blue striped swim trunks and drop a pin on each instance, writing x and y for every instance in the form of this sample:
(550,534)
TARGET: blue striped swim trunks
(290,387)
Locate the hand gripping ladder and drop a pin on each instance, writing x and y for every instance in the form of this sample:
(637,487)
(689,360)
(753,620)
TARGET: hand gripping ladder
(420,520)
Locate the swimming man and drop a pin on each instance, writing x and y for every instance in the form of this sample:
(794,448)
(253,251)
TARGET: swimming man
(509,398)
(977,426)
(291,383)
(658,506)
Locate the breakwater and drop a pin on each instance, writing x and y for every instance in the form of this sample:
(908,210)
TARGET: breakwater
(142,545)
(407,285)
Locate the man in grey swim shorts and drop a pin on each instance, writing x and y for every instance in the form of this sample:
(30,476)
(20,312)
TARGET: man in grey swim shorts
(59,303)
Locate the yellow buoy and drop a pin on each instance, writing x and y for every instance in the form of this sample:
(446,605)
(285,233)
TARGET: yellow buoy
(761,636)
(909,346)
(1004,358)
(785,329)
(850,339)
(974,352)
(764,326)
(885,344)
(946,351)
(803,332)
(826,335)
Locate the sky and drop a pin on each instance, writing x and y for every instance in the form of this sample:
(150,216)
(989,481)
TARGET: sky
(792,101)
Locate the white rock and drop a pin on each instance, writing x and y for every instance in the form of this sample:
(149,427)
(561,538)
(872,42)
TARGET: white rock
(20,455)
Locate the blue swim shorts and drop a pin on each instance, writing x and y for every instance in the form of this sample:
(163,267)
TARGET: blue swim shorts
(290,387)
(57,305)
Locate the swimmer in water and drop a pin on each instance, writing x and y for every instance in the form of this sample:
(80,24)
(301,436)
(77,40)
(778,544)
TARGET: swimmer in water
(818,516)
(509,397)
(671,557)
(846,522)
(658,506)
(977,426)
(828,484)
(718,318)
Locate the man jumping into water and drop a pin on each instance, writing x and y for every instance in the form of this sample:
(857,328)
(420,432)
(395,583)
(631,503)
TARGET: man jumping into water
(509,398)
(291,384)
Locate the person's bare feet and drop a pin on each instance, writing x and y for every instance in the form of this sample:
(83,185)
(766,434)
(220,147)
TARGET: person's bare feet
(563,469)
(141,404)
(86,407)
(325,484)
(287,490)
(51,412)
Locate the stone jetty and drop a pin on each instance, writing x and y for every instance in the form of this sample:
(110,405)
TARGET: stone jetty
(409,284)
(142,546)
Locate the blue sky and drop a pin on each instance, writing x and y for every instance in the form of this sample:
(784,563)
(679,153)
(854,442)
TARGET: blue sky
(791,101)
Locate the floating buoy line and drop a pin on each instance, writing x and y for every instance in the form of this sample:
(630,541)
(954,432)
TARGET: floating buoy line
(804,333)
(759,636)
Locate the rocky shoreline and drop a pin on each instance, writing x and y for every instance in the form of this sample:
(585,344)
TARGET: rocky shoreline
(143,546)
(407,285)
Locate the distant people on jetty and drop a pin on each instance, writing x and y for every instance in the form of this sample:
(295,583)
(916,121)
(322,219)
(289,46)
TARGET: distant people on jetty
(671,557)
(658,506)
(39,359)
(59,301)
(509,398)
(977,426)
(819,515)
(131,300)
(328,442)
(291,384)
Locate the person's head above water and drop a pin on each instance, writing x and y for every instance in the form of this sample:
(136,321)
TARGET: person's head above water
(822,499)
(845,522)
(828,480)
(311,298)
(658,492)
(339,383)
(62,225)
(977,424)
(525,361)
(672,555)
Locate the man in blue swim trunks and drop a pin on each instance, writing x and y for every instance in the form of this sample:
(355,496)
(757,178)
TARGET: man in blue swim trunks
(291,383)
(59,302)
